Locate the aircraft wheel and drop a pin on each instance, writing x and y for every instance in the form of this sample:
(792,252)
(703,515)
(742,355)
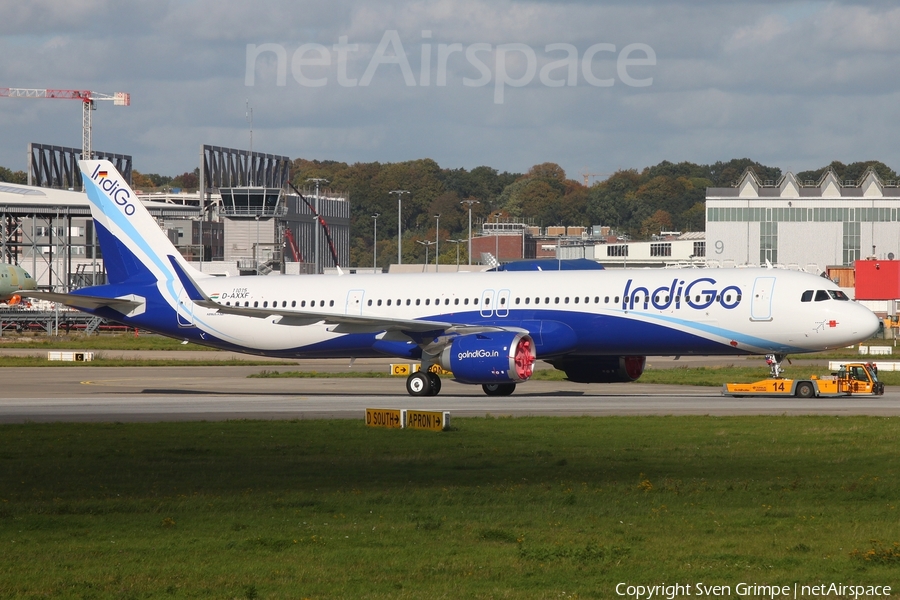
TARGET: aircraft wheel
(805,390)
(435,381)
(419,384)
(498,389)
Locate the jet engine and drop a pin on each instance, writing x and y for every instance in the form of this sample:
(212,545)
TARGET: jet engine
(494,357)
(601,369)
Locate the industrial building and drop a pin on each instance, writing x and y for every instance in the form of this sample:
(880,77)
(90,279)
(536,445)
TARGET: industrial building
(811,225)
(245,222)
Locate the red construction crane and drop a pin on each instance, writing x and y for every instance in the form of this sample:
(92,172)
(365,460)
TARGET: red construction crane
(87,98)
(292,244)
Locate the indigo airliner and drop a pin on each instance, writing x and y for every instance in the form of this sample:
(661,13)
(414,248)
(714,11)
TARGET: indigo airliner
(487,328)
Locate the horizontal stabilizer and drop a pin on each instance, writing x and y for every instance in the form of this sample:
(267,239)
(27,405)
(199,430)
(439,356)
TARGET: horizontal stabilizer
(122,305)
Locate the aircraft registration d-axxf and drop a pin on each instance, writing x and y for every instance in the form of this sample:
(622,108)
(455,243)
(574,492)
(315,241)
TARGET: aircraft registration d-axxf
(487,328)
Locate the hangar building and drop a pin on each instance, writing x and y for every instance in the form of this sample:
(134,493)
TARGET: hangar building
(806,224)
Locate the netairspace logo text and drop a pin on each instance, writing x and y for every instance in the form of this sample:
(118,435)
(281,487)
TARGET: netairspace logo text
(506,65)
(750,590)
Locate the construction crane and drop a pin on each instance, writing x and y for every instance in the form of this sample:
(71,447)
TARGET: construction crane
(587,175)
(87,98)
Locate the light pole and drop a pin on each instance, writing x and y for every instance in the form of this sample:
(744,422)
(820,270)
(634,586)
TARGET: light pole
(375,244)
(437,242)
(256,250)
(316,218)
(470,202)
(399,224)
(457,242)
(425,243)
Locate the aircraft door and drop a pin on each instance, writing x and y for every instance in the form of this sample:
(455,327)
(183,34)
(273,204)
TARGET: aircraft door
(761,301)
(487,303)
(354,304)
(184,311)
(502,308)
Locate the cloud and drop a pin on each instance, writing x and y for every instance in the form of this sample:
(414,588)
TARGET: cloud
(800,83)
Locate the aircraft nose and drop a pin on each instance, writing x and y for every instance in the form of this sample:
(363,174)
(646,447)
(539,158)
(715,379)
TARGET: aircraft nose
(868,323)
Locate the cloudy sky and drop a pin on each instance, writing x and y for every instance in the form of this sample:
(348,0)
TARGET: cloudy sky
(593,86)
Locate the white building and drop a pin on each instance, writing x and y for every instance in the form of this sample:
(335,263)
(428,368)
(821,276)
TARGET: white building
(684,250)
(810,225)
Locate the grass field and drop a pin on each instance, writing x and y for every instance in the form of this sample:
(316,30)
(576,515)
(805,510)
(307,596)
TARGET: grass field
(78,341)
(496,508)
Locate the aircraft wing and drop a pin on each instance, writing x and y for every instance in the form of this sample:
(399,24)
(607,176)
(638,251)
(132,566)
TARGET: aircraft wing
(395,329)
(122,305)
(344,323)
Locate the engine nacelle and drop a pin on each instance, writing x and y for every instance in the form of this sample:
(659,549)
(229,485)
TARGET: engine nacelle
(494,357)
(601,369)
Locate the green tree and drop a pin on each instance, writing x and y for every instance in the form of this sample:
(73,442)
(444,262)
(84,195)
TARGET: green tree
(20,177)
(659,221)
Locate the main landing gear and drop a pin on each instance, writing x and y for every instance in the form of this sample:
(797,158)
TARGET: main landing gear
(423,383)
(426,383)
(498,389)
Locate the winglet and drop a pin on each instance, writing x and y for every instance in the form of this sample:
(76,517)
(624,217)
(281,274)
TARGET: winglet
(190,287)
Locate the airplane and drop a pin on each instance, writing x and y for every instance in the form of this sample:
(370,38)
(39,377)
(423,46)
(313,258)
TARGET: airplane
(13,281)
(487,328)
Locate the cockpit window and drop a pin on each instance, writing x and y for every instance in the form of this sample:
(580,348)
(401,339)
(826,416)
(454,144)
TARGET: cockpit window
(822,295)
(807,296)
(838,295)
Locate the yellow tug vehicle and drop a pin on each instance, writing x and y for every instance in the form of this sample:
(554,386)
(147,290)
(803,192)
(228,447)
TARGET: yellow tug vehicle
(850,379)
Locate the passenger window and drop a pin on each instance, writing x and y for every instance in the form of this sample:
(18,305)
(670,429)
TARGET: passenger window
(546,300)
(446,301)
(418,301)
(466,301)
(389,302)
(616,300)
(294,303)
(502,301)
(407,301)
(517,300)
(427,301)
(266,304)
(255,304)
(475,301)
(456,301)
(576,299)
(370,302)
(331,303)
(527,300)
(537,300)
(606,300)
(322,303)
(822,295)
(379,303)
(596,299)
